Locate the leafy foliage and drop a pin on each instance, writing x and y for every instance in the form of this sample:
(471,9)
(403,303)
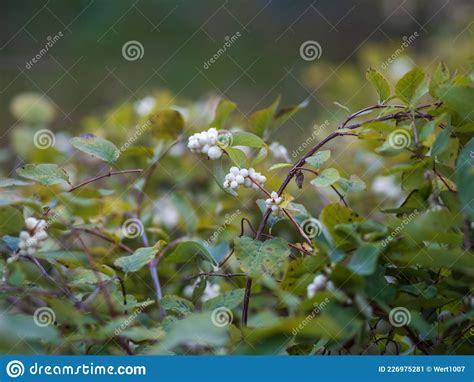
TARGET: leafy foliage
(148,253)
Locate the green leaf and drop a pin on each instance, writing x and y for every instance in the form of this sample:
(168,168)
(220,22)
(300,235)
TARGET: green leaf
(409,88)
(319,158)
(280,165)
(81,276)
(353,184)
(282,115)
(229,300)
(434,259)
(439,78)
(44,173)
(379,82)
(99,148)
(257,258)
(460,99)
(134,262)
(177,304)
(243,138)
(223,110)
(364,260)
(11,220)
(326,178)
(237,156)
(465,179)
(334,214)
(167,123)
(187,251)
(195,328)
(441,142)
(66,258)
(262,119)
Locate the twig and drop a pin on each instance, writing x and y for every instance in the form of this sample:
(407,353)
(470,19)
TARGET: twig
(103,237)
(212,274)
(341,197)
(110,173)
(245,311)
(98,276)
(441,178)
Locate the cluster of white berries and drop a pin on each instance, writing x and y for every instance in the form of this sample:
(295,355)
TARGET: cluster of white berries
(206,142)
(274,202)
(31,240)
(248,177)
(320,282)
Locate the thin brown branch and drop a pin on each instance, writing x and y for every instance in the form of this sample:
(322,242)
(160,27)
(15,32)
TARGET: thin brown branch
(213,274)
(103,237)
(100,282)
(110,173)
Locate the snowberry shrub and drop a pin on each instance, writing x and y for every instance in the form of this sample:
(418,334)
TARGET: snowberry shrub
(116,242)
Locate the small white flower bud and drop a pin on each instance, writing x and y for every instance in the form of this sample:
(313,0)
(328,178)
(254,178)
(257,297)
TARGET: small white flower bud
(214,152)
(244,172)
(30,223)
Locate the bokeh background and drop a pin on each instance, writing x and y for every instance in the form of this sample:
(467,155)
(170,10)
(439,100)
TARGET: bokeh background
(85,72)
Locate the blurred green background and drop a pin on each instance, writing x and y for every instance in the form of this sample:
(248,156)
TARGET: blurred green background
(85,73)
